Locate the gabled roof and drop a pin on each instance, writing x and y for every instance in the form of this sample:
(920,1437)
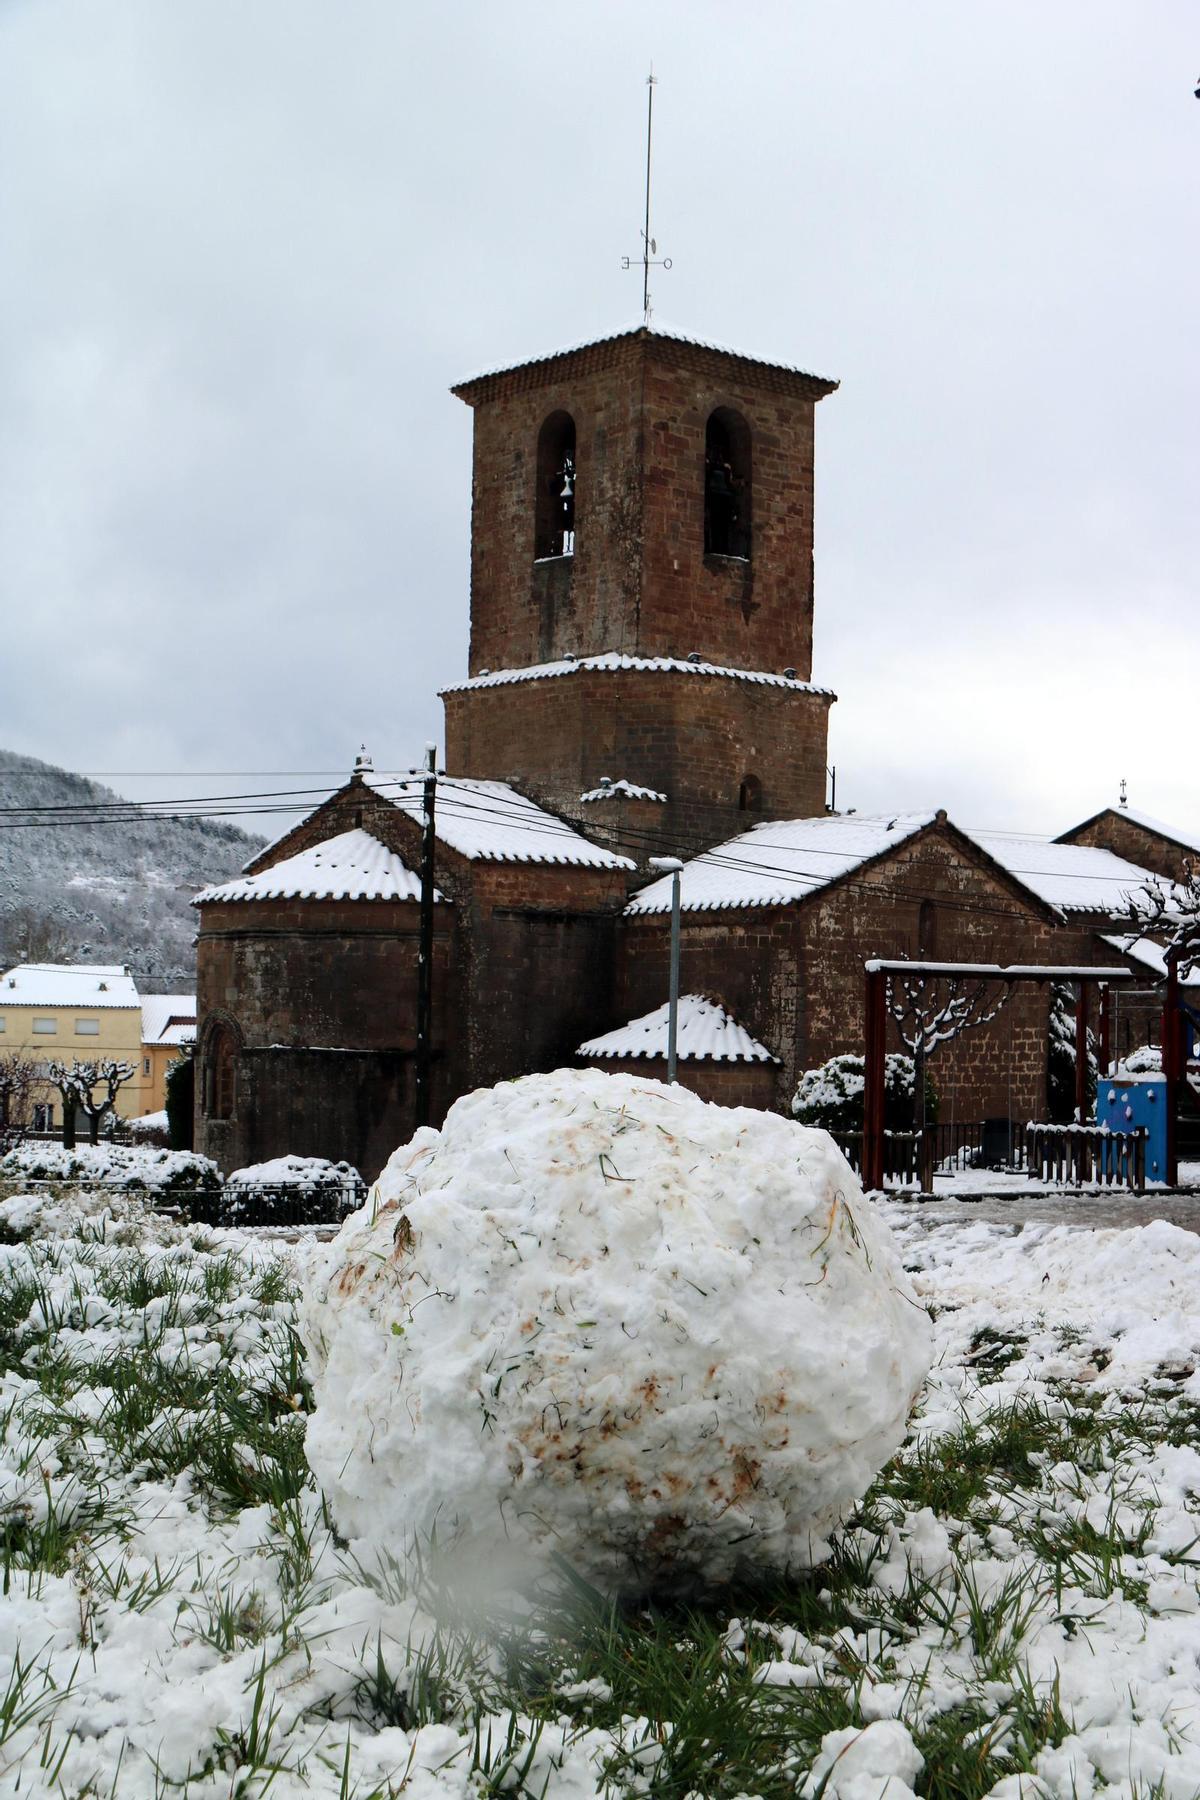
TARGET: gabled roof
(90,985)
(168,1018)
(613,661)
(352,866)
(639,328)
(488,821)
(1185,840)
(780,861)
(1073,878)
(705,1032)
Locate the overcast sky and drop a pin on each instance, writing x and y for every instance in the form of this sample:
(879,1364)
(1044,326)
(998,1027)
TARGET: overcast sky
(245,249)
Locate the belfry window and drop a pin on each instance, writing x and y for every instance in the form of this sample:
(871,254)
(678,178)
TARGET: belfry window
(554,531)
(727,485)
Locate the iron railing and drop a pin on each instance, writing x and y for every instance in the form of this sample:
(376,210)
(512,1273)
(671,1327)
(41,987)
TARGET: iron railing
(1087,1156)
(270,1203)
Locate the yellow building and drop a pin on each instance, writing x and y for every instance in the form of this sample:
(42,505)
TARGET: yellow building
(67,1012)
(168,1027)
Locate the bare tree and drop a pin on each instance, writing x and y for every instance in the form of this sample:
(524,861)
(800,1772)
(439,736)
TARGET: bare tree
(19,1078)
(92,1087)
(930,1010)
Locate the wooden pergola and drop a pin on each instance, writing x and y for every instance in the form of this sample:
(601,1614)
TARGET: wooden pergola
(879,969)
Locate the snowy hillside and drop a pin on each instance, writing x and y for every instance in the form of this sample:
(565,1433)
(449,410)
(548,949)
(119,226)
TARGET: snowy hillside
(116,891)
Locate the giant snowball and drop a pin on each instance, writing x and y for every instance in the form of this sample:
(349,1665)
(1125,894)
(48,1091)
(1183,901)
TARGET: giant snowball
(596,1316)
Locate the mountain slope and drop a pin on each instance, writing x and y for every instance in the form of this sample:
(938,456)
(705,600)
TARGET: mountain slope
(114,892)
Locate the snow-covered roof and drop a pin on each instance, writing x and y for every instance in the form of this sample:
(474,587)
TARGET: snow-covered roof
(632,329)
(1152,956)
(92,985)
(352,866)
(780,861)
(620,790)
(704,1033)
(488,821)
(1071,877)
(612,661)
(1188,840)
(168,1018)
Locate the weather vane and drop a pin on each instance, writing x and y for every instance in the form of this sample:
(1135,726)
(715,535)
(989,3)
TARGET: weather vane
(649,260)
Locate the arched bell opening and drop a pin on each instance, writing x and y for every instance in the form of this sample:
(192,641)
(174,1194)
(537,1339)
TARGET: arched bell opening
(554,529)
(727,485)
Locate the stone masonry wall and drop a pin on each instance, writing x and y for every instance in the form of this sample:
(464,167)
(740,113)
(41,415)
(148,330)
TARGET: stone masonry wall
(693,737)
(639,579)
(1115,831)
(794,976)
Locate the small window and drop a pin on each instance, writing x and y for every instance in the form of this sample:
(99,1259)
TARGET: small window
(750,794)
(3,1023)
(45,1027)
(727,485)
(87,1028)
(927,929)
(43,1117)
(554,528)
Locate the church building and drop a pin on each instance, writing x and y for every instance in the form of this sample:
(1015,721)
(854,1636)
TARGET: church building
(639,684)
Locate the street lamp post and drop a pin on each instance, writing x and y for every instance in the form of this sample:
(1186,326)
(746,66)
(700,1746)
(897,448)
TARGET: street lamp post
(671,865)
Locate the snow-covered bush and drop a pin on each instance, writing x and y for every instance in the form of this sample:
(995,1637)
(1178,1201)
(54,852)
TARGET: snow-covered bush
(298,1189)
(130,1166)
(151,1129)
(1060,1061)
(832,1096)
(1145,1061)
(594,1316)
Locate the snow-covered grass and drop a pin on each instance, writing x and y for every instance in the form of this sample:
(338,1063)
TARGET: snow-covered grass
(1018,1591)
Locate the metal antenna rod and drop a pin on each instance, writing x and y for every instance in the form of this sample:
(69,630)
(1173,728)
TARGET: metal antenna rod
(648,258)
(651,84)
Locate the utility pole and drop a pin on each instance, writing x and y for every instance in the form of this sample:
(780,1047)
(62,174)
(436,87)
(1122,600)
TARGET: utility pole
(424,1055)
(671,865)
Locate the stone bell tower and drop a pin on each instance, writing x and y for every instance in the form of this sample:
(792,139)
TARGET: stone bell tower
(642,584)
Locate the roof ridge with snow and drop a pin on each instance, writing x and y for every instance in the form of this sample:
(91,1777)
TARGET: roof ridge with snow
(89,985)
(636,328)
(354,865)
(612,661)
(780,861)
(489,821)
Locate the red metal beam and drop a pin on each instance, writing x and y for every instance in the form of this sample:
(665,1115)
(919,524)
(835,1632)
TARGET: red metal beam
(875,1034)
(1173,1070)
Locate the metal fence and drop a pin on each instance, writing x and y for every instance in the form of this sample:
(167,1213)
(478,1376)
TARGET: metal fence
(266,1203)
(283,1204)
(1087,1156)
(1070,1155)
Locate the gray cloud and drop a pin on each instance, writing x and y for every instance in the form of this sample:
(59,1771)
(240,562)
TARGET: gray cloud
(246,250)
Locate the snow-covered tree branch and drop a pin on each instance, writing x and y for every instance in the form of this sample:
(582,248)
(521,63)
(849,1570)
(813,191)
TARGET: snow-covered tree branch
(934,1009)
(1172,911)
(90,1087)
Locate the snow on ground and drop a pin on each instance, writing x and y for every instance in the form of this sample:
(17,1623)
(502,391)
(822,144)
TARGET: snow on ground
(1012,1613)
